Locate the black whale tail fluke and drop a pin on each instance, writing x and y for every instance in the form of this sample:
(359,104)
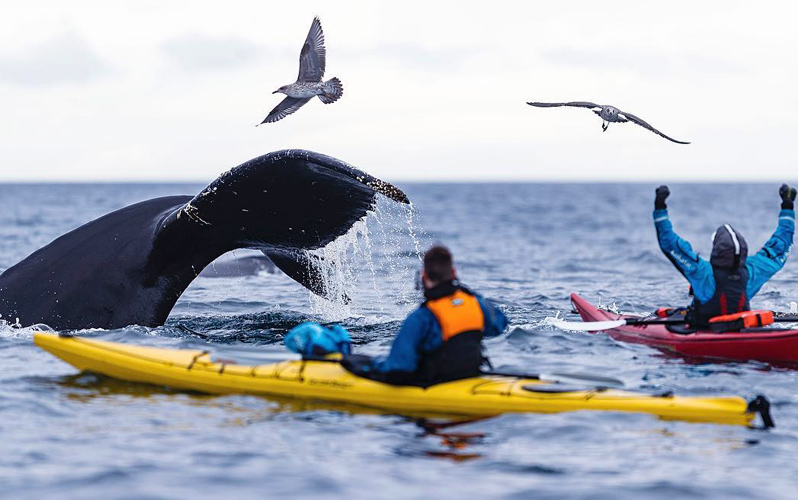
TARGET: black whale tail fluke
(291,198)
(131,266)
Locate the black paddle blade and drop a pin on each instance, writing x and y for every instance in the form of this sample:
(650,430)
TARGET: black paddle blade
(761,405)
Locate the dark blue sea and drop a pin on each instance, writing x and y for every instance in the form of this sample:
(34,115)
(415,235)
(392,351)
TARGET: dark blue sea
(526,246)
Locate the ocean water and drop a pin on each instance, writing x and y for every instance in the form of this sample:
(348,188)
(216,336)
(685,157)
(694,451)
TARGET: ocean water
(526,246)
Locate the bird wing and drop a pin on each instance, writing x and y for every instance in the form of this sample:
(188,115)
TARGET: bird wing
(574,104)
(632,118)
(313,58)
(285,108)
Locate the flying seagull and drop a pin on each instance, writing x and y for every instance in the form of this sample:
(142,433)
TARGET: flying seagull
(309,84)
(609,114)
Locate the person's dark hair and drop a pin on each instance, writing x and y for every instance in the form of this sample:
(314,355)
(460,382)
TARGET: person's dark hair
(438,264)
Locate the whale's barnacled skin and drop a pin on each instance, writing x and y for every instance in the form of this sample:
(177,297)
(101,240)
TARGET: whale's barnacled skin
(131,266)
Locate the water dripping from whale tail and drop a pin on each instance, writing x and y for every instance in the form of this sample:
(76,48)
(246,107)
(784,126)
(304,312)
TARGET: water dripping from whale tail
(369,272)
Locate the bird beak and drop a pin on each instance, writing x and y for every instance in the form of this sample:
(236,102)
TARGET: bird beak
(276,91)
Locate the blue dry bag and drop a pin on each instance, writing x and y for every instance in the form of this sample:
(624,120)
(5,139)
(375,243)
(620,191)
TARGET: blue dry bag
(312,339)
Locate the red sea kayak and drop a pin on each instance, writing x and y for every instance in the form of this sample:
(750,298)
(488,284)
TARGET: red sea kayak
(772,345)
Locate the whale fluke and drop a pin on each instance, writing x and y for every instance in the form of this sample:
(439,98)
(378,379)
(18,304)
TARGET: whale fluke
(130,266)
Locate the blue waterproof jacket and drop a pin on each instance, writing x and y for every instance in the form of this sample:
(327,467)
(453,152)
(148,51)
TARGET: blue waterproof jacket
(761,267)
(421,333)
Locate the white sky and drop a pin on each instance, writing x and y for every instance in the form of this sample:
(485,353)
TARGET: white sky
(433,90)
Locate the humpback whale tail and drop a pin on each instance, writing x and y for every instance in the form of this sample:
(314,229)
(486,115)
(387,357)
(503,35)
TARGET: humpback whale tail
(131,266)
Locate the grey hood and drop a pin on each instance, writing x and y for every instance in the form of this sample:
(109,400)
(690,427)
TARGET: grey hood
(729,248)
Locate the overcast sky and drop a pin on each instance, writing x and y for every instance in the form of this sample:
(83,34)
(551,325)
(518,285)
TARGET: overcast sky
(433,90)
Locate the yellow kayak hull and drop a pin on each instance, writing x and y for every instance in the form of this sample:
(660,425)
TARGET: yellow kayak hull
(329,381)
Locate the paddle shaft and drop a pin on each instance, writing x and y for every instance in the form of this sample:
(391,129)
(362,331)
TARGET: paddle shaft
(668,321)
(609,324)
(644,321)
(785,318)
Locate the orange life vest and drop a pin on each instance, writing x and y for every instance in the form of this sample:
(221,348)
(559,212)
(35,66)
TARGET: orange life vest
(457,313)
(460,355)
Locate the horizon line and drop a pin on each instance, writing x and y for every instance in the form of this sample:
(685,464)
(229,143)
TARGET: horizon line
(419,181)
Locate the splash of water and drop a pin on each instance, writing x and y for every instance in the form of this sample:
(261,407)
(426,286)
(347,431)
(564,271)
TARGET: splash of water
(369,272)
(334,264)
(15,330)
(410,219)
(547,323)
(612,307)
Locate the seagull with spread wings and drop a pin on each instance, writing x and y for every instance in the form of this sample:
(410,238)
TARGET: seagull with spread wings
(609,114)
(309,84)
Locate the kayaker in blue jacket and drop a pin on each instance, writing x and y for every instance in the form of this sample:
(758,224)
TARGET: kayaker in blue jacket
(442,339)
(730,279)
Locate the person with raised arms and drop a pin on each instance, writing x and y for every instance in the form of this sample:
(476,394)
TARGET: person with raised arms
(730,279)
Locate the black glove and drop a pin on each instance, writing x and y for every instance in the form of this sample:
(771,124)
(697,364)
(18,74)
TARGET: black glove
(787,194)
(662,193)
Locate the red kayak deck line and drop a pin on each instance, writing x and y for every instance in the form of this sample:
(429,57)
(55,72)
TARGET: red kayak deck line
(778,347)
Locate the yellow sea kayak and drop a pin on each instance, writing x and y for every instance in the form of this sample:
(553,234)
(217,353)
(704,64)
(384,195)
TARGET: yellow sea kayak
(329,381)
